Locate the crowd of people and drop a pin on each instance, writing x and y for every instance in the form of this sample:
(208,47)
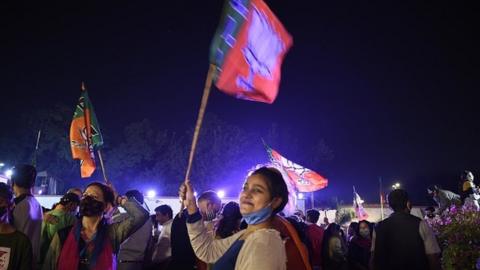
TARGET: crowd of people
(86,230)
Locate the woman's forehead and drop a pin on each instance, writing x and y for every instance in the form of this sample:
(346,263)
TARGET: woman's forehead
(256,180)
(93,190)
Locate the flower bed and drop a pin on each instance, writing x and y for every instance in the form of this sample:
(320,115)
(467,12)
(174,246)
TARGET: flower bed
(458,232)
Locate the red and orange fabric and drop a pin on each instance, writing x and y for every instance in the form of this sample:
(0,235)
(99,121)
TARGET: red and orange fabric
(85,135)
(297,253)
(248,50)
(303,179)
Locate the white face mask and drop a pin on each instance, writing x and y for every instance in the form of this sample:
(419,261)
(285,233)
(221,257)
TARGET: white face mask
(210,215)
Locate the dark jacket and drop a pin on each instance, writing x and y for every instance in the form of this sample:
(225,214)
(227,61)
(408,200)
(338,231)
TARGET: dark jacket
(359,253)
(183,257)
(398,244)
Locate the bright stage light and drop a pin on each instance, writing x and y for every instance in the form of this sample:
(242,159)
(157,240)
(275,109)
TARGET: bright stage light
(195,194)
(9,173)
(2,164)
(221,194)
(301,196)
(151,193)
(40,192)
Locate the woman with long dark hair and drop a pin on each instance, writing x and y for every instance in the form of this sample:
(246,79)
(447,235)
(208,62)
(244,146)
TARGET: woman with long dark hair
(91,242)
(259,246)
(229,223)
(334,250)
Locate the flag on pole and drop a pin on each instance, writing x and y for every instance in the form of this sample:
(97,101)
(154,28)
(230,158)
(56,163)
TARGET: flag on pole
(358,206)
(248,50)
(303,179)
(85,134)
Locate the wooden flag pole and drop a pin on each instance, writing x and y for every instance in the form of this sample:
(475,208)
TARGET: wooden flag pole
(201,113)
(34,159)
(103,166)
(312,199)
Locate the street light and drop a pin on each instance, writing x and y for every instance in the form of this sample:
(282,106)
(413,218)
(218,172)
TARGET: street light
(396,186)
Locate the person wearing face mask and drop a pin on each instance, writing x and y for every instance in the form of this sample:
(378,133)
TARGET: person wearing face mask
(64,216)
(183,256)
(209,205)
(92,243)
(15,247)
(404,241)
(259,246)
(359,247)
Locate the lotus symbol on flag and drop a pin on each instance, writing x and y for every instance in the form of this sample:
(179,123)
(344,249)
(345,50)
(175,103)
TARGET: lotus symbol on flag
(262,50)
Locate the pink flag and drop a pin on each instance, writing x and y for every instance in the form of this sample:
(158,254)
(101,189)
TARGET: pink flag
(358,205)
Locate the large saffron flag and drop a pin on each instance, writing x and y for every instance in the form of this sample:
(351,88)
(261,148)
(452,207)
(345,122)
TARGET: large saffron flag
(358,206)
(248,50)
(85,135)
(303,179)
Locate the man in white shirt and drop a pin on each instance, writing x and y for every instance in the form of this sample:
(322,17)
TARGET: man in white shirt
(162,248)
(27,214)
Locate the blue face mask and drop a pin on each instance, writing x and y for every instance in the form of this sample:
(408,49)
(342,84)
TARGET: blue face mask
(258,216)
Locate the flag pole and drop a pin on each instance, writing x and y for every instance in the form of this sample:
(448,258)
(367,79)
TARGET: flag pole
(201,113)
(34,161)
(312,199)
(103,166)
(355,203)
(381,196)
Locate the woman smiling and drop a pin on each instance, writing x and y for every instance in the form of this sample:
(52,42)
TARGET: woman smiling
(259,246)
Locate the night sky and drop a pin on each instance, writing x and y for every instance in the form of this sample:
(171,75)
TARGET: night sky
(390,86)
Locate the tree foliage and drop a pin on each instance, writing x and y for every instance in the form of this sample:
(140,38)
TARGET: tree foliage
(143,155)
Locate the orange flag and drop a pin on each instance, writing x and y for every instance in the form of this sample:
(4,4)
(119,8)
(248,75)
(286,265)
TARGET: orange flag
(85,135)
